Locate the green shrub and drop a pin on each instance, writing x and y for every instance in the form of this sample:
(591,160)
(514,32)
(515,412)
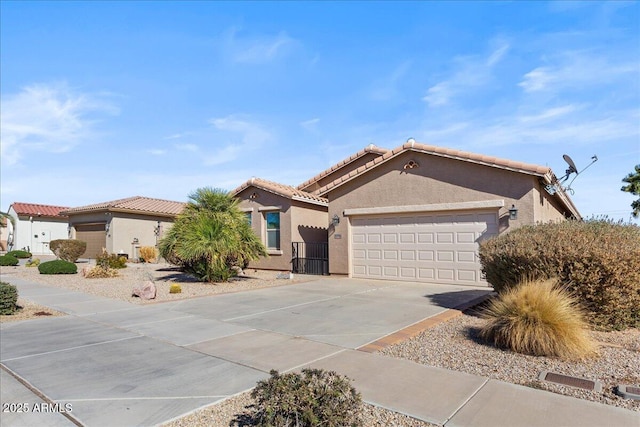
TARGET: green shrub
(8,298)
(313,398)
(539,319)
(598,261)
(68,249)
(20,254)
(107,260)
(175,289)
(57,266)
(8,260)
(33,262)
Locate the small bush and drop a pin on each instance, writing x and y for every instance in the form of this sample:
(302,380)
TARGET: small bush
(57,266)
(33,262)
(8,298)
(68,249)
(149,254)
(107,260)
(175,289)
(20,254)
(539,319)
(99,272)
(598,261)
(8,260)
(313,398)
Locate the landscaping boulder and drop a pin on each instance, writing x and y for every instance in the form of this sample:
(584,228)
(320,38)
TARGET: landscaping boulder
(146,290)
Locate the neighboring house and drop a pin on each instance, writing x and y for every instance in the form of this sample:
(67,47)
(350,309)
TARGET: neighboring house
(282,215)
(122,226)
(418,212)
(35,226)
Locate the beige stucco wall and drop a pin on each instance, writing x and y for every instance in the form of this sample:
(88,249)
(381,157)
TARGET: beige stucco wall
(277,260)
(124,228)
(548,209)
(308,222)
(35,233)
(436,180)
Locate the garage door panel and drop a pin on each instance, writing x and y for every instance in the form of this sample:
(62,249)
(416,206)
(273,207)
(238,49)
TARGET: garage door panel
(390,255)
(426,255)
(407,255)
(426,247)
(467,275)
(464,256)
(94,236)
(390,238)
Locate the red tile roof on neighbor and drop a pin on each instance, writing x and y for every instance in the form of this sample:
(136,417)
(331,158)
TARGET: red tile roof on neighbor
(134,204)
(282,190)
(34,209)
(450,153)
(369,149)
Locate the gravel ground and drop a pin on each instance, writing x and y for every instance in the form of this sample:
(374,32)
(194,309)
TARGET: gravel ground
(163,275)
(227,413)
(28,310)
(454,345)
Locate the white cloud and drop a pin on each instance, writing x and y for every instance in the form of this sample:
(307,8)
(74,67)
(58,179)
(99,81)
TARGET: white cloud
(310,124)
(50,118)
(386,88)
(470,72)
(576,69)
(257,49)
(245,137)
(187,147)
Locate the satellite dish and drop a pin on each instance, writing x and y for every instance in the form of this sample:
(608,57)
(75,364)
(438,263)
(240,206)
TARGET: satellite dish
(554,187)
(572,165)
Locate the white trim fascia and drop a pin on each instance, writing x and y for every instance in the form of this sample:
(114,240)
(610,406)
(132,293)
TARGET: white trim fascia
(270,208)
(311,201)
(435,207)
(246,209)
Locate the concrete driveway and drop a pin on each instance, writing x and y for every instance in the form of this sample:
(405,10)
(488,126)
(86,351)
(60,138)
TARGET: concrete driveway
(114,363)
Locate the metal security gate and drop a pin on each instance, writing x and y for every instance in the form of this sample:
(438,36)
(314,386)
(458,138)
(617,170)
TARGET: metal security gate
(310,258)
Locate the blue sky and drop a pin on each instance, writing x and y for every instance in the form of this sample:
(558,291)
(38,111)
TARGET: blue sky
(102,101)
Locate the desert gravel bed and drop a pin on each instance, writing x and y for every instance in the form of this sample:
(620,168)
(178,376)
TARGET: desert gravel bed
(28,310)
(455,345)
(163,275)
(226,414)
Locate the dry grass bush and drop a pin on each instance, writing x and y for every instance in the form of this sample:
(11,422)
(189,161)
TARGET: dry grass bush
(598,261)
(149,254)
(99,272)
(539,319)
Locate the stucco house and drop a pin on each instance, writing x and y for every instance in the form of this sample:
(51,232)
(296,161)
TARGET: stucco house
(122,226)
(282,215)
(35,226)
(415,213)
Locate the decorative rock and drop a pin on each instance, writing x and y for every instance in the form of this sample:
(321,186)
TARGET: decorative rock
(85,270)
(147,290)
(285,276)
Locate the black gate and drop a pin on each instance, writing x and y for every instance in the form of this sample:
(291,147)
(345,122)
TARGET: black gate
(310,258)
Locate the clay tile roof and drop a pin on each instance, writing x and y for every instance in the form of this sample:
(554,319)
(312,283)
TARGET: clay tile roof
(451,153)
(282,190)
(368,149)
(135,204)
(34,209)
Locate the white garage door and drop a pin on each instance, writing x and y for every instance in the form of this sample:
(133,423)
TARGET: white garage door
(421,247)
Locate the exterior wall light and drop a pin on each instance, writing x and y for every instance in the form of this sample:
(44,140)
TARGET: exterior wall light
(335,220)
(106,227)
(513,212)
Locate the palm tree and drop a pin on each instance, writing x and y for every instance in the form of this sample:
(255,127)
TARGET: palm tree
(211,237)
(633,187)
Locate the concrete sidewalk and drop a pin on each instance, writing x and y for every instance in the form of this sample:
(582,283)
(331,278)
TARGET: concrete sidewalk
(120,364)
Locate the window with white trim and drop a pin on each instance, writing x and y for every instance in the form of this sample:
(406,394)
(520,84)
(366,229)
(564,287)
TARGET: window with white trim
(273,230)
